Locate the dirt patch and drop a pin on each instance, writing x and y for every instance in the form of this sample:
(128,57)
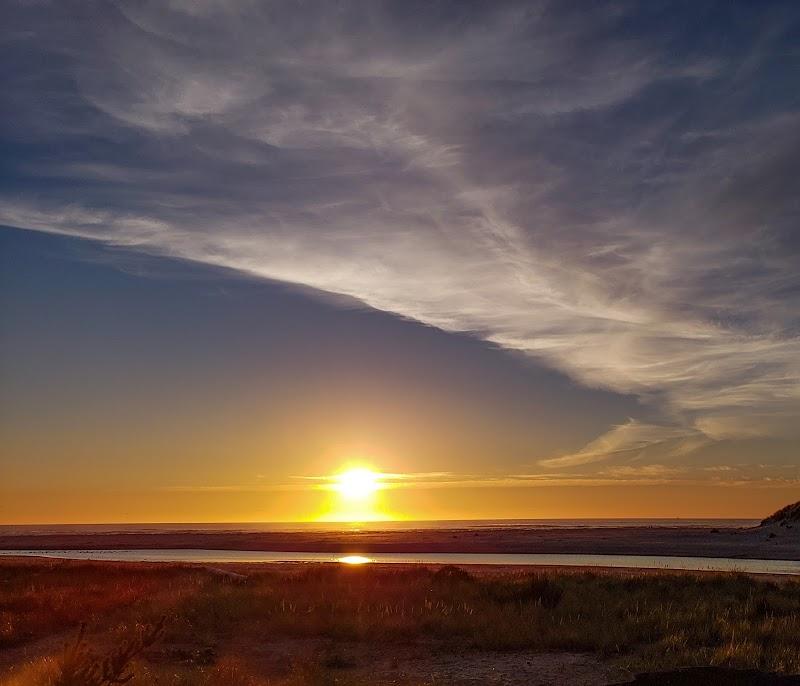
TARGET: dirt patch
(428,663)
(714,676)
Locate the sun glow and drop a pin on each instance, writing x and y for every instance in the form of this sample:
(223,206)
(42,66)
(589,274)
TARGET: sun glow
(357,484)
(356,494)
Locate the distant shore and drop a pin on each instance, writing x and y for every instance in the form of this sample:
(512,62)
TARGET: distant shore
(767,543)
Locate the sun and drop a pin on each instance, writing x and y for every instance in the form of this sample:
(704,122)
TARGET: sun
(356,494)
(357,484)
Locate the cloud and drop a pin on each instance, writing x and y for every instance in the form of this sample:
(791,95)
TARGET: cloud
(594,189)
(633,437)
(385,479)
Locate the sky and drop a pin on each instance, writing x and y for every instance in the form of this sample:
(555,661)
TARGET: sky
(535,259)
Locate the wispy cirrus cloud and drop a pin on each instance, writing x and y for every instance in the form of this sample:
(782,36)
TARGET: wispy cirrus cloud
(633,438)
(594,189)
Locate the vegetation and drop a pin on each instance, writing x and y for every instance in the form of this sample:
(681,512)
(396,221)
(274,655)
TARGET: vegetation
(786,515)
(42,598)
(214,625)
(79,666)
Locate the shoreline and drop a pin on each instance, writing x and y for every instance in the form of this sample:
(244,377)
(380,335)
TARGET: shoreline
(764,543)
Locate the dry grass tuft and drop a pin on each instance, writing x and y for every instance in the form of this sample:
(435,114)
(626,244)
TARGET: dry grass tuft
(81,666)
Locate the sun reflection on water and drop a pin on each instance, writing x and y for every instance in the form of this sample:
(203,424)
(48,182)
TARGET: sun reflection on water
(354,560)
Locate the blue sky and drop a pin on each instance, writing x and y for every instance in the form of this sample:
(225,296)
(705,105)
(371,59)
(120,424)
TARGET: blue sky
(571,227)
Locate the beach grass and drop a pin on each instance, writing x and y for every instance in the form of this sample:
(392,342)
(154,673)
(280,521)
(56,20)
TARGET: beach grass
(638,621)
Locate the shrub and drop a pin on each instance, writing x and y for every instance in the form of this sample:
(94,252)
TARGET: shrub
(80,666)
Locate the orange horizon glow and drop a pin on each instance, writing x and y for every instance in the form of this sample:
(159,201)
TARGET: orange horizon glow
(116,505)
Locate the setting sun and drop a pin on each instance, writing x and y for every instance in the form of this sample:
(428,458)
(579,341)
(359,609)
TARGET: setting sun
(356,495)
(357,484)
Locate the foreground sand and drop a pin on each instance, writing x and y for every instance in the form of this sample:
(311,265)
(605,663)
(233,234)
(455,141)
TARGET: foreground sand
(767,543)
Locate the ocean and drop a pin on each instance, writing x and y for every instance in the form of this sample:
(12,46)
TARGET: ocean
(20,529)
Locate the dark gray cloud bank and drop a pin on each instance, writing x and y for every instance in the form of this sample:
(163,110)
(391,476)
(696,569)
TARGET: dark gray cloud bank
(611,188)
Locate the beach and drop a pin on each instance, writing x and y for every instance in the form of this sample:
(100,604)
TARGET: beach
(307,622)
(760,543)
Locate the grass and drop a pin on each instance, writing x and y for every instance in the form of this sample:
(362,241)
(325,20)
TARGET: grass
(213,625)
(39,599)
